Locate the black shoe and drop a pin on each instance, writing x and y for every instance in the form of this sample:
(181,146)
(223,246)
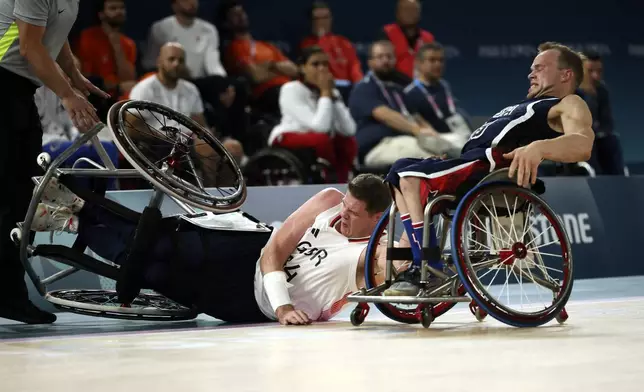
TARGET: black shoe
(25,312)
(406,284)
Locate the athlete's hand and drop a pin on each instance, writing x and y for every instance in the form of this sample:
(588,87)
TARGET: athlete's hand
(82,113)
(525,162)
(288,315)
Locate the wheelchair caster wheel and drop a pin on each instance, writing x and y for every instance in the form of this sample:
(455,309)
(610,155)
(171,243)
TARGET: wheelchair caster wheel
(16,235)
(562,316)
(480,314)
(476,310)
(426,317)
(359,314)
(43,160)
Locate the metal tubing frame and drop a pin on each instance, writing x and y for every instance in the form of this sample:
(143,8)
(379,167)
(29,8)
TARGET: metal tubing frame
(108,170)
(427,221)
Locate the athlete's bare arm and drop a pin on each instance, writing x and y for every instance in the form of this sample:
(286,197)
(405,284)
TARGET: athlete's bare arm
(572,117)
(285,240)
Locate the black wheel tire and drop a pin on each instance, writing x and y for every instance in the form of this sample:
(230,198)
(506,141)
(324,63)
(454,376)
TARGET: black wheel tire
(357,316)
(426,316)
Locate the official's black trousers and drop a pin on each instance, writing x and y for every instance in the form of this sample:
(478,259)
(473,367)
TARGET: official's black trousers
(21,143)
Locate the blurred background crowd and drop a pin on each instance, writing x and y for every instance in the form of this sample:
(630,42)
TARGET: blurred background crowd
(313,92)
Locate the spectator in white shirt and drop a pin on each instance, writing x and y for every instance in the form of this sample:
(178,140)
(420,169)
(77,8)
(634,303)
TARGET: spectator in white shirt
(314,115)
(166,88)
(200,40)
(59,133)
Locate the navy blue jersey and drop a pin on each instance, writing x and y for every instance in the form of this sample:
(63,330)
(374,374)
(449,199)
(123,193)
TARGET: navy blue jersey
(513,127)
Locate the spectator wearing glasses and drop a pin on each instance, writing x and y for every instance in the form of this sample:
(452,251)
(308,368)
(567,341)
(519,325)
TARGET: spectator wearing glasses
(386,131)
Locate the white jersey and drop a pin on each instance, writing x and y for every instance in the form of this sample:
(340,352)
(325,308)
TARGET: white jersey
(321,272)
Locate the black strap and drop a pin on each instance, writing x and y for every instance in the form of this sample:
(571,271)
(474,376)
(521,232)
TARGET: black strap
(80,260)
(406,254)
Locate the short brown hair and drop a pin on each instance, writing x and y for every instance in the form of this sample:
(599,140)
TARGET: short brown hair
(372,190)
(568,59)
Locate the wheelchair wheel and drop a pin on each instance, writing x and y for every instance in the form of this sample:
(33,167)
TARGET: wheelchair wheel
(274,167)
(521,272)
(177,155)
(403,313)
(104,303)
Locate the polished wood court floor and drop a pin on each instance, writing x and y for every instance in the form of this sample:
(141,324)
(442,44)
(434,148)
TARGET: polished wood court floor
(600,348)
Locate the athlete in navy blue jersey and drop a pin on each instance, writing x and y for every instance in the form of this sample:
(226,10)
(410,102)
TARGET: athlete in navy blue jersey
(552,123)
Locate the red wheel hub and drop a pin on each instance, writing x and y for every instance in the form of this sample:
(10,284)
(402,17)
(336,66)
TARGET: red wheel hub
(518,251)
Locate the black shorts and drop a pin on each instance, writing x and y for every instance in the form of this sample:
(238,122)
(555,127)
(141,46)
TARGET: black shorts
(213,270)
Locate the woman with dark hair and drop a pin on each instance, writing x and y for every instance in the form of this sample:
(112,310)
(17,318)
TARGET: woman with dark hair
(314,115)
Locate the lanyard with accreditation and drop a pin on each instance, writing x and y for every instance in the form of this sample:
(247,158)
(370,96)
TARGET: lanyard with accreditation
(399,101)
(454,121)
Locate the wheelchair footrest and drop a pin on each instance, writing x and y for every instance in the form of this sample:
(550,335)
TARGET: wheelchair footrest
(404,300)
(74,258)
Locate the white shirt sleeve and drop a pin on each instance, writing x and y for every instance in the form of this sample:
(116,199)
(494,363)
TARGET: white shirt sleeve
(156,39)
(293,103)
(343,119)
(197,103)
(212,57)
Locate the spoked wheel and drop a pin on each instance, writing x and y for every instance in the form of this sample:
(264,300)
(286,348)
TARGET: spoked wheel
(274,167)
(104,303)
(403,313)
(177,155)
(519,272)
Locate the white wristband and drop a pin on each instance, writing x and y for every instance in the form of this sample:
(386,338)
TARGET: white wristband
(276,289)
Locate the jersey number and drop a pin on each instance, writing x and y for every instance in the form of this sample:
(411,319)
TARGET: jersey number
(289,270)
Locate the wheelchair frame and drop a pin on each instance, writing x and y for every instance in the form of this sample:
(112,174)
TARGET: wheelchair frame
(77,259)
(427,299)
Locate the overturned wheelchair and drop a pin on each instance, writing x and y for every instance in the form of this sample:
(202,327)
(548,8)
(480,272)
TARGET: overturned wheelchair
(492,256)
(179,159)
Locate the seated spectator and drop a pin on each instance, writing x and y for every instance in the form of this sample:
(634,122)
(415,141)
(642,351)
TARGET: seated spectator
(343,60)
(314,116)
(407,37)
(225,98)
(105,53)
(263,64)
(166,88)
(59,133)
(385,129)
(430,98)
(607,157)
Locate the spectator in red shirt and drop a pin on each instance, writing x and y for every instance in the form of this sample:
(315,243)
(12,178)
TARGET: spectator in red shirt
(406,36)
(265,66)
(105,53)
(343,60)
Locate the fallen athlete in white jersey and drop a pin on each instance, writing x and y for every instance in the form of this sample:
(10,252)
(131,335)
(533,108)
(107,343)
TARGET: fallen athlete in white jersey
(301,273)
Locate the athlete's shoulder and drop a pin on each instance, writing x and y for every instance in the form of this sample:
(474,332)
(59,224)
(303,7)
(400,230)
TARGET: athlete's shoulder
(573,99)
(329,196)
(571,103)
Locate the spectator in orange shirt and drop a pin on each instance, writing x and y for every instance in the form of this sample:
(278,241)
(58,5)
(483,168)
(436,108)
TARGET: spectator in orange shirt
(407,37)
(106,53)
(343,60)
(265,66)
